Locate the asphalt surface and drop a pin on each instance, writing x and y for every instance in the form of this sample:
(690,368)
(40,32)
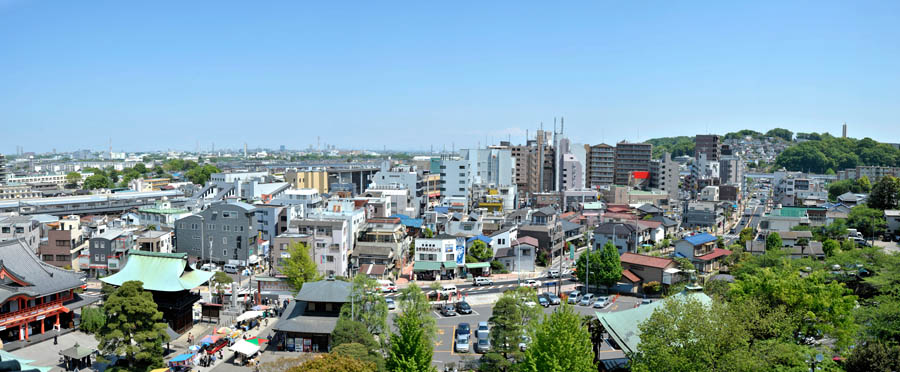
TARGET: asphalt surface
(444,344)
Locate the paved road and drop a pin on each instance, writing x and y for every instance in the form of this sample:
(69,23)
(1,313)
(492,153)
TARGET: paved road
(445,353)
(547,285)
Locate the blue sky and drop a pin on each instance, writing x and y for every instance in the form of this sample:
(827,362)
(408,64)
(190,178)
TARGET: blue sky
(409,75)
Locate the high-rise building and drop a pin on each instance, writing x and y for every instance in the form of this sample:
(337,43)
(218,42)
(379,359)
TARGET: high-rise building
(534,165)
(455,178)
(600,165)
(731,170)
(3,172)
(708,144)
(664,175)
(631,157)
(844,131)
(572,173)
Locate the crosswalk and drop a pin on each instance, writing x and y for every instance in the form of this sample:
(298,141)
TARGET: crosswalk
(463,290)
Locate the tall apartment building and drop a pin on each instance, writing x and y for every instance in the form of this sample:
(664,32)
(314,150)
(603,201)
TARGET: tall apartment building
(873,173)
(493,166)
(664,175)
(455,179)
(631,157)
(731,170)
(572,173)
(223,232)
(601,165)
(708,144)
(404,176)
(3,171)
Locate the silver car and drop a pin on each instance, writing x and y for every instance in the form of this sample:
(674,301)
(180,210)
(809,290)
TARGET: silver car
(462,343)
(586,299)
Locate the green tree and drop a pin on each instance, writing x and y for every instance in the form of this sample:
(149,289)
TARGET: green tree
(428,233)
(411,348)
(97,181)
(92,319)
(480,251)
(781,133)
(773,241)
(299,267)
(134,327)
(73,178)
(822,308)
(368,306)
(864,184)
(836,230)
(874,356)
(746,235)
(561,343)
(506,331)
(140,168)
(868,221)
(360,353)
(610,269)
(334,362)
(200,174)
(220,281)
(885,194)
(830,246)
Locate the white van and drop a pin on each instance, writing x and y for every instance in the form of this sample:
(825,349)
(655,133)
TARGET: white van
(386,286)
(229,268)
(479,281)
(448,290)
(209,267)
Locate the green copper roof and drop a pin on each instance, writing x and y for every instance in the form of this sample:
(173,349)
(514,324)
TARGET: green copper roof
(164,272)
(622,326)
(426,266)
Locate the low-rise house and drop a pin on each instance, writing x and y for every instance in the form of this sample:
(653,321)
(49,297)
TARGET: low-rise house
(851,200)
(383,242)
(790,238)
(308,321)
(520,256)
(670,226)
(155,241)
(280,250)
(649,269)
(812,250)
(64,243)
(625,236)
(701,250)
(439,257)
(161,214)
(106,253)
(572,231)
(21,228)
(783,219)
(704,215)
(545,226)
(330,244)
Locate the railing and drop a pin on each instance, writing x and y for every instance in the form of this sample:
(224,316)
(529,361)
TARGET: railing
(24,313)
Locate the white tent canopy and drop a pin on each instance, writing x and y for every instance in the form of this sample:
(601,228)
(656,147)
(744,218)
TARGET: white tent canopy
(248,315)
(244,347)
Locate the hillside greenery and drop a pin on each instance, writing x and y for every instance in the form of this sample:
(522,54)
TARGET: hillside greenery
(829,154)
(677,146)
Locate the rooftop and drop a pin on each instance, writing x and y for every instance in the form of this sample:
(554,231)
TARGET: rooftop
(644,260)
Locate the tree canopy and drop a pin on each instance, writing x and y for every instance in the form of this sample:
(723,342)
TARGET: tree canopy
(677,146)
(773,241)
(560,343)
(837,154)
(411,348)
(885,193)
(605,267)
(868,221)
(299,267)
(134,327)
(480,251)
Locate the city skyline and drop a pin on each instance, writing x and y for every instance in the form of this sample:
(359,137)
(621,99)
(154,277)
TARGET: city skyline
(412,76)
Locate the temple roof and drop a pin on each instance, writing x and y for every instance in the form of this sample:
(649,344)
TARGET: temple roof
(163,272)
(22,272)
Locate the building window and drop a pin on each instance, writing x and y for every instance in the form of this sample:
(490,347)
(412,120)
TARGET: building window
(224,240)
(329,259)
(224,252)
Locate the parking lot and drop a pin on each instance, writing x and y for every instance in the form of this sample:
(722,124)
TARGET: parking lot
(444,352)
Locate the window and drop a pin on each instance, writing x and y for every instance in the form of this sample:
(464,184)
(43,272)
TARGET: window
(47,257)
(211,226)
(20,230)
(224,240)
(226,227)
(224,252)
(329,259)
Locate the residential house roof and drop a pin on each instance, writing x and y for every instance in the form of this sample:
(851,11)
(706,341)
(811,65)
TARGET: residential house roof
(699,239)
(892,212)
(295,320)
(547,211)
(716,253)
(851,197)
(409,221)
(644,260)
(618,208)
(325,291)
(793,235)
(504,252)
(666,221)
(630,276)
(567,226)
(567,215)
(606,228)
(619,216)
(529,240)
(485,239)
(649,224)
(650,209)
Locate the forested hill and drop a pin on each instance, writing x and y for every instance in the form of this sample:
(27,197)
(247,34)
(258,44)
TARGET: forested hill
(684,145)
(826,154)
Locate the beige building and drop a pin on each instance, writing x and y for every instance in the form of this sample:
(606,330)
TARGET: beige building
(308,179)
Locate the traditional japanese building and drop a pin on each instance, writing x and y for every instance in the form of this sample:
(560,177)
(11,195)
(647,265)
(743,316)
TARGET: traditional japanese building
(37,297)
(170,278)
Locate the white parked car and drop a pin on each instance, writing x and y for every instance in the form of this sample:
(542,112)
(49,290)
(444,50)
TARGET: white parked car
(533,283)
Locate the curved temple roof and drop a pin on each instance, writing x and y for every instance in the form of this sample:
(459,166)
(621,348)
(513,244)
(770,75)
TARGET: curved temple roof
(164,272)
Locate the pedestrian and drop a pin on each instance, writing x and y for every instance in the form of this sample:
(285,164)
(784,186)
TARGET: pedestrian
(190,338)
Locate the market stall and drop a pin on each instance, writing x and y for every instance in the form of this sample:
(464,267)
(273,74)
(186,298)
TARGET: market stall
(246,350)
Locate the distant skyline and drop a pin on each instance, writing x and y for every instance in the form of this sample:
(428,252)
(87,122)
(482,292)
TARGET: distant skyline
(411,75)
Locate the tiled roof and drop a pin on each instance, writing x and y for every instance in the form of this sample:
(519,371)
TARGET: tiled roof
(716,253)
(700,239)
(644,260)
(526,240)
(630,276)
